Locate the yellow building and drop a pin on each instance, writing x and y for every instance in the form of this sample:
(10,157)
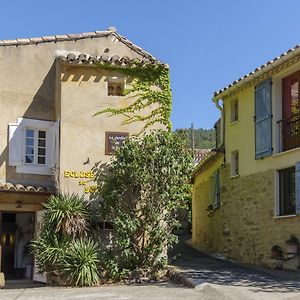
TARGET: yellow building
(246,194)
(50,89)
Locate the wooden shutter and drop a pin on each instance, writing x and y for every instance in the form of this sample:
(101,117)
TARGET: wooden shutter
(297,179)
(263,119)
(15,145)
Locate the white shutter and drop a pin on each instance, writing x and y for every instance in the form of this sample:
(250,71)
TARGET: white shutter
(54,145)
(15,145)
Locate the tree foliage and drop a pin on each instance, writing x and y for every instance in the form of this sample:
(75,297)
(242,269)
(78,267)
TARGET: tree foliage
(145,185)
(204,138)
(149,91)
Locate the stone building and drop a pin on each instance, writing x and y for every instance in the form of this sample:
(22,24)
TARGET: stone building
(50,89)
(246,193)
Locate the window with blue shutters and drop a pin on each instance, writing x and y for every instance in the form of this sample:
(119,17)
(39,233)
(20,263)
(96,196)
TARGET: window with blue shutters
(263,119)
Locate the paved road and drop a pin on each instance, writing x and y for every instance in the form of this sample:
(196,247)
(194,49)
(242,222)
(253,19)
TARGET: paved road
(219,279)
(162,291)
(213,279)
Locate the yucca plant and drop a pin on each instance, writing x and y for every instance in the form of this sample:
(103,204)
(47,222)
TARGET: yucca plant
(68,214)
(49,250)
(81,262)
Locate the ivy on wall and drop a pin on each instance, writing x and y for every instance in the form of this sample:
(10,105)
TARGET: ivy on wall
(150,91)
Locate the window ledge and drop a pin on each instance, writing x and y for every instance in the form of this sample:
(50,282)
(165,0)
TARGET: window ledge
(234,176)
(286,152)
(284,217)
(234,122)
(37,170)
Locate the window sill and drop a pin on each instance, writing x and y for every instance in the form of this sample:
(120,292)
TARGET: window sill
(284,217)
(234,176)
(234,122)
(36,170)
(285,152)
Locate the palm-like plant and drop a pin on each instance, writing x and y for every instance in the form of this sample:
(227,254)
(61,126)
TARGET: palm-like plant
(80,263)
(67,214)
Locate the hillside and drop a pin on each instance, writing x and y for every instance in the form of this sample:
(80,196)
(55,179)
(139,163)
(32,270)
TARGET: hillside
(204,138)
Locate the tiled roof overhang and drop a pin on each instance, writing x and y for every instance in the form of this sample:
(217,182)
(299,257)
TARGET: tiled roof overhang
(20,188)
(86,59)
(264,71)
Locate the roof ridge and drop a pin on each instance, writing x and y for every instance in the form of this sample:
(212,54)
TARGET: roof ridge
(74,37)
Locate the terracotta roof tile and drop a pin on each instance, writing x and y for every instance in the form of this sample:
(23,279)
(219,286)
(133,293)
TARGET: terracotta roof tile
(83,58)
(10,187)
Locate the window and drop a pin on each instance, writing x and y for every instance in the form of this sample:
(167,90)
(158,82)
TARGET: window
(235,163)
(33,146)
(216,190)
(35,153)
(115,88)
(234,109)
(287,192)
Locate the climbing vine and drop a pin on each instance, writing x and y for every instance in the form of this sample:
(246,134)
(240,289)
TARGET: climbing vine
(150,91)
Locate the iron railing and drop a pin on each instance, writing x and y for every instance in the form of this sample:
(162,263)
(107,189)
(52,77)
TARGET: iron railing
(290,132)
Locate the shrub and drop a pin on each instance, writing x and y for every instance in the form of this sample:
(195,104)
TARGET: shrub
(61,248)
(142,190)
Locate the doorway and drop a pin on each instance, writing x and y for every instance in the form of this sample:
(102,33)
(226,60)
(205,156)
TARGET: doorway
(17,230)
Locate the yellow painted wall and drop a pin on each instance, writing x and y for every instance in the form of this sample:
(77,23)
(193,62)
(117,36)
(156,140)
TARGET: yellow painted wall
(205,227)
(241,135)
(245,227)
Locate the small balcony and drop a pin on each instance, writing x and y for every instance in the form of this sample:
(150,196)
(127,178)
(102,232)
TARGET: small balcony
(290,132)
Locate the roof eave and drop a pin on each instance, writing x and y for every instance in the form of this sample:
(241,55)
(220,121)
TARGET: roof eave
(257,73)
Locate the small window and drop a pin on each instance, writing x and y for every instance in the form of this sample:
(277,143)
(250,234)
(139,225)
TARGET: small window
(235,163)
(234,110)
(115,88)
(287,192)
(35,153)
(216,190)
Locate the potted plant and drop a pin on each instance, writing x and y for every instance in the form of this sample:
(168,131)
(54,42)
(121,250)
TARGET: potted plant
(292,245)
(276,252)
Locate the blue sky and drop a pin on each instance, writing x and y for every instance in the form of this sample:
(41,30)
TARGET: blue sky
(207,44)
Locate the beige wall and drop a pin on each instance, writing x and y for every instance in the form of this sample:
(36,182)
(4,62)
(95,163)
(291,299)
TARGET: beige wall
(34,85)
(83,93)
(27,87)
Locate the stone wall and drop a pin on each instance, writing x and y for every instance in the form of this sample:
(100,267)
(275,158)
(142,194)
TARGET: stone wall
(244,227)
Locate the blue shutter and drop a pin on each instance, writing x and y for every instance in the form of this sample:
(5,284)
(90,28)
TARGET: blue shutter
(263,119)
(297,179)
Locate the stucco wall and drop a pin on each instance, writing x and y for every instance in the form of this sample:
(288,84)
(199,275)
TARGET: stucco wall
(244,227)
(204,231)
(241,135)
(28,88)
(83,93)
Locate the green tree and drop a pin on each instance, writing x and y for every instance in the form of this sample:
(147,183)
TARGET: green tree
(204,138)
(142,190)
